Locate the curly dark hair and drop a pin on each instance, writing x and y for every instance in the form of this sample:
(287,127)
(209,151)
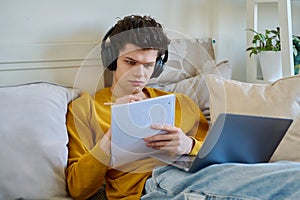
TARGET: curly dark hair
(142,31)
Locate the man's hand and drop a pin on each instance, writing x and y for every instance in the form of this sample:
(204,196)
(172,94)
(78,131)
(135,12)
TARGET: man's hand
(174,140)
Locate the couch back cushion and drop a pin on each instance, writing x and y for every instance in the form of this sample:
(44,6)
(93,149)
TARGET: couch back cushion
(190,61)
(33,149)
(279,99)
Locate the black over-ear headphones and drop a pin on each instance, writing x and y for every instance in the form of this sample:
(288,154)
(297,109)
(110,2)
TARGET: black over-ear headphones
(109,56)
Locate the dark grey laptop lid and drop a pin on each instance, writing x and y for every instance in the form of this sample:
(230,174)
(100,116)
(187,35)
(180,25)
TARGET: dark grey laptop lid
(238,138)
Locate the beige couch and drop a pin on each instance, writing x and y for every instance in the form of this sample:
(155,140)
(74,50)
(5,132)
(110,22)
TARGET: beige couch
(32,119)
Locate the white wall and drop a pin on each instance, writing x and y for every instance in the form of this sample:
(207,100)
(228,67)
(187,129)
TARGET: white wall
(77,21)
(228,27)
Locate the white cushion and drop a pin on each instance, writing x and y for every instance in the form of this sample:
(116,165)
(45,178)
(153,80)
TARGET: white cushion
(279,99)
(190,60)
(186,59)
(33,149)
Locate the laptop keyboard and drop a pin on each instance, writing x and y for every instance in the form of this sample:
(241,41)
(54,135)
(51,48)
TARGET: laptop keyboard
(186,164)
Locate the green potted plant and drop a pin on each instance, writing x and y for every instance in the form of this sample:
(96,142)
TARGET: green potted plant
(296,49)
(267,41)
(267,46)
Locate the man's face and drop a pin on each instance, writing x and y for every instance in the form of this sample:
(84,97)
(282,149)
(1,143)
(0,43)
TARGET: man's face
(134,69)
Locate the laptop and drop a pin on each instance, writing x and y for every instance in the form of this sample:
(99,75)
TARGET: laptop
(234,138)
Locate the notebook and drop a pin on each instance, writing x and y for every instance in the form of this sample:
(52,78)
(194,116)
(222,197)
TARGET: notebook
(130,123)
(234,138)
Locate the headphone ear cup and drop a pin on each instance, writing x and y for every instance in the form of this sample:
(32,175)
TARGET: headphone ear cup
(160,65)
(109,57)
(158,68)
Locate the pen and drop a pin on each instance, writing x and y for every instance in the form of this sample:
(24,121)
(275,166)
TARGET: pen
(108,103)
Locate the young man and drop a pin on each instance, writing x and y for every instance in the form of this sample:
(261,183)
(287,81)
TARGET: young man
(137,49)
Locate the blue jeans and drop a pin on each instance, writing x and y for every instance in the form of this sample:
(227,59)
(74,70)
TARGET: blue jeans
(279,180)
